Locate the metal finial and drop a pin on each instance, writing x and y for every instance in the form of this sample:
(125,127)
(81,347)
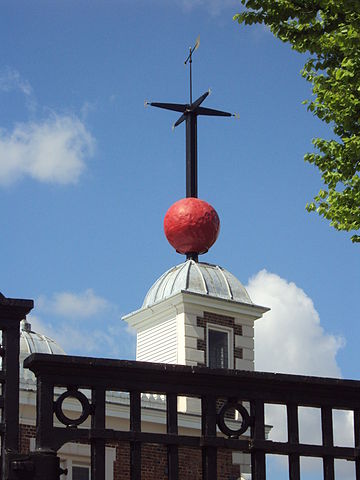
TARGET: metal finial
(189,59)
(189,113)
(25,326)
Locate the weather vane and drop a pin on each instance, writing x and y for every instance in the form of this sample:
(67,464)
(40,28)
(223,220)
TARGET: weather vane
(190,112)
(189,59)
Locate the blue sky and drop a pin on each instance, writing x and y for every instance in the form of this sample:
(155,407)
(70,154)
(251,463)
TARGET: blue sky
(87,174)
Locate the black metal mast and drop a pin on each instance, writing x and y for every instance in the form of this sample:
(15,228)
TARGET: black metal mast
(190,112)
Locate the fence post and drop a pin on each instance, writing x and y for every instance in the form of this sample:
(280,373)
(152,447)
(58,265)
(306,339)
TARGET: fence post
(12,311)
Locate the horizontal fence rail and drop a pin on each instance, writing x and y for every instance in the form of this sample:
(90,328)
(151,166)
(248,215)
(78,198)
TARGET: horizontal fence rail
(220,391)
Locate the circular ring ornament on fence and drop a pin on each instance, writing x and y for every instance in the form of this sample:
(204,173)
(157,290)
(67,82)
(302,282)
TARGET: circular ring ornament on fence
(245,419)
(84,402)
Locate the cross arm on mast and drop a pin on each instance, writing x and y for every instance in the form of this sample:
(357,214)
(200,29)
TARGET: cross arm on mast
(179,120)
(177,107)
(189,113)
(213,113)
(200,100)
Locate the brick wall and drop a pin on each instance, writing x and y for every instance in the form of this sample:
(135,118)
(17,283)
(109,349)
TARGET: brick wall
(154,463)
(154,460)
(26,432)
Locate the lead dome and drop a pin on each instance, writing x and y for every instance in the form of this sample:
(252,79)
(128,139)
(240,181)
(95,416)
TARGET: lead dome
(197,277)
(32,342)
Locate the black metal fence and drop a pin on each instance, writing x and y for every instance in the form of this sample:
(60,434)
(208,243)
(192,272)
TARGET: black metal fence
(246,392)
(257,389)
(12,311)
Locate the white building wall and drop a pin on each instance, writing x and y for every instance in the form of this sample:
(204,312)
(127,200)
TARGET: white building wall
(158,343)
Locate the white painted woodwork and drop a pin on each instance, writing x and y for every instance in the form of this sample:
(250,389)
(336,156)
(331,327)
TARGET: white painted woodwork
(244,342)
(248,354)
(248,331)
(158,343)
(241,364)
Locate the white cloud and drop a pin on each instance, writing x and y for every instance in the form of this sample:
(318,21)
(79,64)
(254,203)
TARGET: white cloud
(73,305)
(51,151)
(290,339)
(10,79)
(83,324)
(110,340)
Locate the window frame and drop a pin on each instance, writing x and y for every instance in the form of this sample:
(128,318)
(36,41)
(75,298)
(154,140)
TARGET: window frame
(230,338)
(75,463)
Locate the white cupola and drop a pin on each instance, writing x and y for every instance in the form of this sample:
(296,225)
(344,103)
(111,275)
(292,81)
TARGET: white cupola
(197,314)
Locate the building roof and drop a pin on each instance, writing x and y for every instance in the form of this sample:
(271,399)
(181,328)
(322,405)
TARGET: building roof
(32,342)
(197,277)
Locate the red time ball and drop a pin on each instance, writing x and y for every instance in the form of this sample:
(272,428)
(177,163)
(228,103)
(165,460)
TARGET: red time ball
(191,226)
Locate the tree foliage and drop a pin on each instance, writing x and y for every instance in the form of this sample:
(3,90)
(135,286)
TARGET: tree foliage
(329,30)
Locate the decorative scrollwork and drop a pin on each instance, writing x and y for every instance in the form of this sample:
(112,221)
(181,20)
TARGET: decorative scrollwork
(245,419)
(84,402)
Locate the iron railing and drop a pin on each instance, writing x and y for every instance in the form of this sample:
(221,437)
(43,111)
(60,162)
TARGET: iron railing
(239,388)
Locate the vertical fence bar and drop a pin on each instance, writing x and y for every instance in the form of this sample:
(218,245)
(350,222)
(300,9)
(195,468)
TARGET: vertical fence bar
(135,427)
(172,428)
(328,441)
(2,382)
(293,438)
(45,461)
(258,459)
(357,441)
(209,453)
(98,445)
(12,311)
(3,410)
(44,414)
(11,341)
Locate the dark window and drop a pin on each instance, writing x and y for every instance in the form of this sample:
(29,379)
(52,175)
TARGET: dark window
(80,473)
(218,349)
